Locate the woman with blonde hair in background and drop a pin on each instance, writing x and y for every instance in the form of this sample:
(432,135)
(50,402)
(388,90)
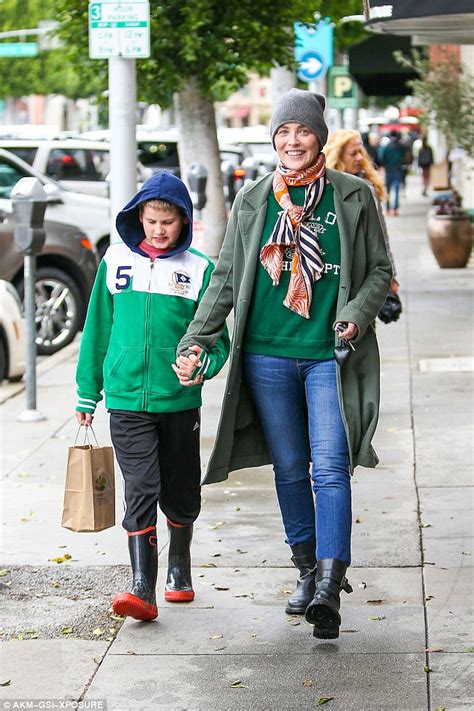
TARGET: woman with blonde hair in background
(345,151)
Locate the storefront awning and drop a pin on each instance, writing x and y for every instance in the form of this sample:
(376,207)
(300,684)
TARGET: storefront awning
(427,21)
(375,69)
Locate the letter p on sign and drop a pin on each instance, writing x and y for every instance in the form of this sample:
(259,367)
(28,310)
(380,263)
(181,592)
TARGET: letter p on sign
(342,86)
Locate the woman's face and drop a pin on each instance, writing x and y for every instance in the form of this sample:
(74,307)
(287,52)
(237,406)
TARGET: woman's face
(352,156)
(296,145)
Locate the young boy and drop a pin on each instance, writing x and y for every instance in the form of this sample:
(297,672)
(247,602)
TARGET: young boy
(145,294)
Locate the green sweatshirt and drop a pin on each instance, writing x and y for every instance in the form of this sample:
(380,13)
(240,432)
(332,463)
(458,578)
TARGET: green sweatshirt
(272,329)
(138,312)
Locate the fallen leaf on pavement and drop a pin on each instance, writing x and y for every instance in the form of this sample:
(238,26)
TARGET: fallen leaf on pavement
(220,587)
(308,682)
(28,517)
(208,565)
(238,685)
(60,558)
(324,700)
(67,630)
(130,651)
(375,619)
(216,636)
(347,631)
(98,632)
(118,618)
(433,649)
(293,621)
(376,602)
(427,669)
(362,585)
(4,572)
(6,683)
(217,525)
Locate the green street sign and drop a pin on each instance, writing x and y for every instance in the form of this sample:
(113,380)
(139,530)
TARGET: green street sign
(343,92)
(18,49)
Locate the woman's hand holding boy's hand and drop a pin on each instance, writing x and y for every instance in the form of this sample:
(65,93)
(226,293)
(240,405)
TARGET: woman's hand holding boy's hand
(84,418)
(186,365)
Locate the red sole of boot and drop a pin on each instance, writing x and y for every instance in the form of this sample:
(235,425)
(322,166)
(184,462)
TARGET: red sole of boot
(128,605)
(179,595)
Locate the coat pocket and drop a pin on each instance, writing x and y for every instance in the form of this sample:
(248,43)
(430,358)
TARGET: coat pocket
(126,373)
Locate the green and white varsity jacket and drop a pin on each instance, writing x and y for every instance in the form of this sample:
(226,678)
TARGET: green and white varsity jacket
(138,312)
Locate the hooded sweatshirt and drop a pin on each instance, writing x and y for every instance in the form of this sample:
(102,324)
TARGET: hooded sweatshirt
(138,312)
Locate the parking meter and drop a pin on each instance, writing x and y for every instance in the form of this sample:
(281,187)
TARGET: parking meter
(229,182)
(251,168)
(197,179)
(29,201)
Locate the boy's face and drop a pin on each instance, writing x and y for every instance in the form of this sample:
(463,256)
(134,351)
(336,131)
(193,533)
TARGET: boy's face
(161,227)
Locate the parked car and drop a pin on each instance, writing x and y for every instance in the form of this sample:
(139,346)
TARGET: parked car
(12,334)
(66,266)
(158,150)
(83,166)
(91,214)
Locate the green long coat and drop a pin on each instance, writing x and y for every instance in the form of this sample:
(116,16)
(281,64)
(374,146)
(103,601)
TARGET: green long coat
(364,282)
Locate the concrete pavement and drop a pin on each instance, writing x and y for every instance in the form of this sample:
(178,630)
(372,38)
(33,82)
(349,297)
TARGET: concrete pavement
(407,634)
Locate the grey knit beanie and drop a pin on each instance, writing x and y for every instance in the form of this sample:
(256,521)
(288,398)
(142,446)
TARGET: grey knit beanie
(301,106)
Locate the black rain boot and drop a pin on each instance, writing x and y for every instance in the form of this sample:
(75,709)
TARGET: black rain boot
(323,611)
(303,558)
(141,602)
(179,587)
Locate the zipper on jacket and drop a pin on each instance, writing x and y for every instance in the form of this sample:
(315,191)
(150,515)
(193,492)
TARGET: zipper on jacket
(147,349)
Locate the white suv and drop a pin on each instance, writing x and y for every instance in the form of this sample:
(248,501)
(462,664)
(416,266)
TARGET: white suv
(80,165)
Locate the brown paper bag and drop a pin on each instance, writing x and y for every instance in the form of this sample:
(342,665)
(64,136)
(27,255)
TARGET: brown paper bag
(89,495)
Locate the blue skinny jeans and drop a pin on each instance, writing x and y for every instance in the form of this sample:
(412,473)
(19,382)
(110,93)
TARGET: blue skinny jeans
(298,406)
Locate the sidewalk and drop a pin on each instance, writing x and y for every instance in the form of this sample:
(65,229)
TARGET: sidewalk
(234,647)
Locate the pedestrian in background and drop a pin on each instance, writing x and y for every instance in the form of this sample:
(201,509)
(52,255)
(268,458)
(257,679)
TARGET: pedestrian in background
(145,294)
(392,159)
(345,151)
(303,254)
(425,161)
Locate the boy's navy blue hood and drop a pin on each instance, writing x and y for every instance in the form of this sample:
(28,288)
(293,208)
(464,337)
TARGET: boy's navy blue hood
(161,186)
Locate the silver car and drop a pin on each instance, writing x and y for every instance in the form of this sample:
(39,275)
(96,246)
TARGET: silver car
(66,266)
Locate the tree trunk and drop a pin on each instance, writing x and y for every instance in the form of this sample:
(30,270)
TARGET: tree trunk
(198,142)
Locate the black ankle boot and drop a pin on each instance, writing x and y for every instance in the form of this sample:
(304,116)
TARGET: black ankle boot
(323,610)
(179,587)
(304,558)
(141,602)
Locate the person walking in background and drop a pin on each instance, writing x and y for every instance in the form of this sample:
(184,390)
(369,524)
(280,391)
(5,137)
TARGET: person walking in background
(392,159)
(304,265)
(145,295)
(345,151)
(425,161)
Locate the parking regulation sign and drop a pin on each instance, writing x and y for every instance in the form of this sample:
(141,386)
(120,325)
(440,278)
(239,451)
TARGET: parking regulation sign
(119,29)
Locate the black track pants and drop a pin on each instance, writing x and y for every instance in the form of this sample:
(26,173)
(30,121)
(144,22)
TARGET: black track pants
(158,454)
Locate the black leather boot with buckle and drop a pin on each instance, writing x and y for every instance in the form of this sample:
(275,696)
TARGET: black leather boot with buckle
(179,587)
(141,602)
(323,610)
(303,558)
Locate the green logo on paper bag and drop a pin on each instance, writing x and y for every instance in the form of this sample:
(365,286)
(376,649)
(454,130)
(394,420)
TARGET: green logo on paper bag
(100,483)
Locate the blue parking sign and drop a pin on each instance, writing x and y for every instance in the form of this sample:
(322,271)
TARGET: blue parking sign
(314,49)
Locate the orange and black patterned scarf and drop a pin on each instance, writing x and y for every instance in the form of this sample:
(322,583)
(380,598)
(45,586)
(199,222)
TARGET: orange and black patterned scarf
(289,231)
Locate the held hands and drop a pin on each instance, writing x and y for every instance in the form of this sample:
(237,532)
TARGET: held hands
(186,365)
(84,418)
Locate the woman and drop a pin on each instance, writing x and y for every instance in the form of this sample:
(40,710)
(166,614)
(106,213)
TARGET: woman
(303,251)
(345,151)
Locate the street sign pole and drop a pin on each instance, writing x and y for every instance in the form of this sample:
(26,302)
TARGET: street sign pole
(120,32)
(123,143)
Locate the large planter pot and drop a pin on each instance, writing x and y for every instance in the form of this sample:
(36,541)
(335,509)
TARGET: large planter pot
(450,239)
